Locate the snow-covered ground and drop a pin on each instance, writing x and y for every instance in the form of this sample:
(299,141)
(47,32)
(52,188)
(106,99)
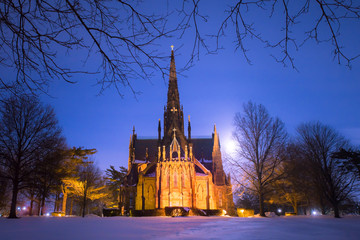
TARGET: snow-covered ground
(91,228)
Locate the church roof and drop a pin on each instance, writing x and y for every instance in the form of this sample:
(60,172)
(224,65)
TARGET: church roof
(140,146)
(202,150)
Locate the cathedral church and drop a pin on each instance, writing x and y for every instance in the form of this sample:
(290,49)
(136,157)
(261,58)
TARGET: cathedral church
(176,170)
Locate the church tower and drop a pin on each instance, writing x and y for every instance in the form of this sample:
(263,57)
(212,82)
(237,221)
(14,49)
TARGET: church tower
(173,112)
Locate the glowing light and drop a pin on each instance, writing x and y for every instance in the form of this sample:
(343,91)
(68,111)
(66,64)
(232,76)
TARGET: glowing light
(18,208)
(47,214)
(242,210)
(279,210)
(223,212)
(230,145)
(314,213)
(24,208)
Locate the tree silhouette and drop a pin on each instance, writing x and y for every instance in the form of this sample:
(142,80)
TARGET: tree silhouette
(260,140)
(318,142)
(28,131)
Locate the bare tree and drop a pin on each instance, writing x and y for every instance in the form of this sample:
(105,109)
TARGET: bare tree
(124,37)
(323,21)
(27,129)
(260,140)
(350,160)
(318,143)
(33,34)
(48,172)
(295,186)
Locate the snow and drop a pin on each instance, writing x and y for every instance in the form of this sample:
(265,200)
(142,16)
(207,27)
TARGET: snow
(94,228)
(201,174)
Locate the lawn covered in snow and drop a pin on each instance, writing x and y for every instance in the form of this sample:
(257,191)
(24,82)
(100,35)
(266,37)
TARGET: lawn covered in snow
(91,228)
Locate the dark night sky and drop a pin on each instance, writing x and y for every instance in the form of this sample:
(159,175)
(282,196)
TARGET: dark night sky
(212,92)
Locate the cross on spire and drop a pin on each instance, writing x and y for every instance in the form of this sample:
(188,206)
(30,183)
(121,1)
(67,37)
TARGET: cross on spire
(174,130)
(172,47)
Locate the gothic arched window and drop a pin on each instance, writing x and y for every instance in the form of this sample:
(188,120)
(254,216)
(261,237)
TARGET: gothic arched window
(175,179)
(183,180)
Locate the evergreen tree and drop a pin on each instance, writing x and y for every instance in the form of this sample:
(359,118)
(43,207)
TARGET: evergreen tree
(75,157)
(116,180)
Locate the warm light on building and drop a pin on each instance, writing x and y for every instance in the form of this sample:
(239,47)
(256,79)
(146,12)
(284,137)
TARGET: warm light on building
(175,169)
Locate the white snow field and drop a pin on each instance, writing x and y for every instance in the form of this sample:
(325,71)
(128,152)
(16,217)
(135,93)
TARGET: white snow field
(95,228)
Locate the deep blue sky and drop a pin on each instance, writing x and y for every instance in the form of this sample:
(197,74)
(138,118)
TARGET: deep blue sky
(212,92)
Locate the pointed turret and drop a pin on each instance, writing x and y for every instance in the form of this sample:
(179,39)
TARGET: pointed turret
(216,146)
(159,132)
(130,153)
(189,129)
(219,174)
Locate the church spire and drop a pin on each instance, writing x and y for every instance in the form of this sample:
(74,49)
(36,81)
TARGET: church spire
(173,101)
(173,115)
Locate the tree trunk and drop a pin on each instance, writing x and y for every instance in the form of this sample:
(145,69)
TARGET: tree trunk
(261,205)
(84,205)
(56,202)
(322,205)
(15,191)
(42,205)
(71,205)
(63,209)
(295,206)
(31,204)
(336,210)
(39,207)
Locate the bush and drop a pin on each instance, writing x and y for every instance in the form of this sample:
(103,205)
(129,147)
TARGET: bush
(57,214)
(111,212)
(150,212)
(177,211)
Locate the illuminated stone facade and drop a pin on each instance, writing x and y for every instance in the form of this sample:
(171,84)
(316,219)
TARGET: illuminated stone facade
(174,169)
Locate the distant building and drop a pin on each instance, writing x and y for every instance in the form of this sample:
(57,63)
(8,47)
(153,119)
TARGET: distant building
(174,169)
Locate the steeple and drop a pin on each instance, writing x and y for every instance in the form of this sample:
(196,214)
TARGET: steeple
(173,101)
(173,113)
